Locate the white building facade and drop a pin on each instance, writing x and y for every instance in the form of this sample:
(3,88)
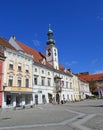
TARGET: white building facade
(84,89)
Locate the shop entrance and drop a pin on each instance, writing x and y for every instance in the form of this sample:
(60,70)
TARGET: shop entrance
(18,100)
(27,99)
(43,99)
(8,100)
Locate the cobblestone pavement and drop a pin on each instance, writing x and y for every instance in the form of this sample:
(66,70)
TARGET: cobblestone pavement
(84,115)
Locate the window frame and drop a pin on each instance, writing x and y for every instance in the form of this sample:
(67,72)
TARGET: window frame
(27,83)
(27,68)
(19,66)
(10,81)
(19,79)
(11,65)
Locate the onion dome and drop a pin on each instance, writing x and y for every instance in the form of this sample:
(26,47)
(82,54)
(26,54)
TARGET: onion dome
(50,40)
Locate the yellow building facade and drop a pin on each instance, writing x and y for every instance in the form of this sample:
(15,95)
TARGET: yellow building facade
(17,79)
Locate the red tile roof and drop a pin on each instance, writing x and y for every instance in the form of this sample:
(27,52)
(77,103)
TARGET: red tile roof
(89,77)
(6,44)
(61,67)
(38,56)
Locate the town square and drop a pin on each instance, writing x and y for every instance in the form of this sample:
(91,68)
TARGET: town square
(51,65)
(84,115)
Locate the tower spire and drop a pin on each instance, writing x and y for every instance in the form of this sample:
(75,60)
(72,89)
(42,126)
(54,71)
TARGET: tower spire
(50,40)
(51,50)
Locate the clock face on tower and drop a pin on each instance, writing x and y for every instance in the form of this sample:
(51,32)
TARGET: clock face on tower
(49,52)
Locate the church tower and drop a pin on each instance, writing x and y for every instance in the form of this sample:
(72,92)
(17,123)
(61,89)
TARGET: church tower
(51,50)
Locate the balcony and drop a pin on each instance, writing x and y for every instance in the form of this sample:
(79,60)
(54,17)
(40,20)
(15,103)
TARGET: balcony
(57,81)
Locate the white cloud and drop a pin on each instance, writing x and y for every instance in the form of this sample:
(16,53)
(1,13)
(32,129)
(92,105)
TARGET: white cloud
(94,61)
(98,71)
(71,63)
(100,18)
(36,43)
(74,62)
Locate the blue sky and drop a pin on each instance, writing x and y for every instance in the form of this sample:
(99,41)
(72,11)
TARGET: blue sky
(77,27)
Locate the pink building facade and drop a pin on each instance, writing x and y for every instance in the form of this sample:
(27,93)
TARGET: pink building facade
(2,58)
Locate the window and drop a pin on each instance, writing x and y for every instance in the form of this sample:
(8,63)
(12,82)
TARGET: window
(10,82)
(42,81)
(35,69)
(11,65)
(66,84)
(55,52)
(19,82)
(19,67)
(35,80)
(70,85)
(42,71)
(62,83)
(48,73)
(27,83)
(49,82)
(27,68)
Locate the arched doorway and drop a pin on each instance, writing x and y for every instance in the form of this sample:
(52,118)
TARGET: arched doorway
(50,97)
(57,98)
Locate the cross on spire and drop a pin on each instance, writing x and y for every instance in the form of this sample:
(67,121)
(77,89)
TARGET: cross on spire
(49,26)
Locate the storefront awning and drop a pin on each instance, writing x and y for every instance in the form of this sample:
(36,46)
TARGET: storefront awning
(18,92)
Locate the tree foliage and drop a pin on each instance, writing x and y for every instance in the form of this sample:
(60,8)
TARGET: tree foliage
(93,86)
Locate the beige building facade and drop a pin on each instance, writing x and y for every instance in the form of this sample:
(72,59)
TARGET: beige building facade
(17,79)
(76,88)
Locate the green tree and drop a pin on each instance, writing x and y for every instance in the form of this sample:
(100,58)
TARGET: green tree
(93,86)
